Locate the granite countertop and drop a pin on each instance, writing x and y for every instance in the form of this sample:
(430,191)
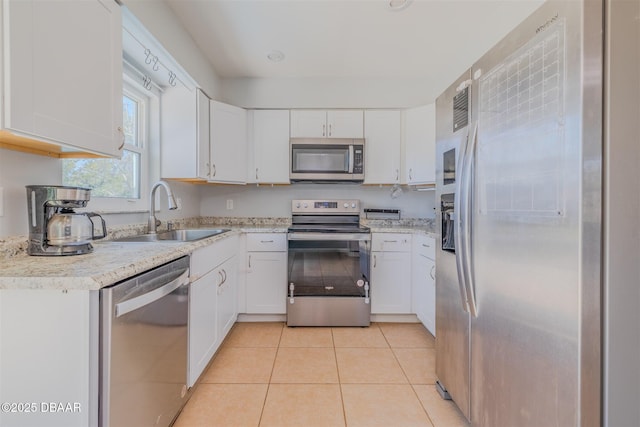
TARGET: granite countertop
(113,261)
(109,263)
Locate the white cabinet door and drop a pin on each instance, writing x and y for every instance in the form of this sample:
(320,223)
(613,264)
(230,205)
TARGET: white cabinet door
(63,72)
(391,282)
(270,147)
(266,282)
(49,347)
(382,130)
(185,134)
(308,124)
(326,124)
(227,309)
(429,320)
(420,145)
(345,124)
(423,271)
(203,332)
(228,147)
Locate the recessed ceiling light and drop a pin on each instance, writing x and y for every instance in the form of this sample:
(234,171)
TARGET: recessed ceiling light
(275,56)
(398,4)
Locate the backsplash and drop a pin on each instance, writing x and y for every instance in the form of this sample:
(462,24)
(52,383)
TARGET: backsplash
(11,246)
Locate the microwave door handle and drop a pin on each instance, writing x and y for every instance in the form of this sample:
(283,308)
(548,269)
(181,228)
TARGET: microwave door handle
(350,158)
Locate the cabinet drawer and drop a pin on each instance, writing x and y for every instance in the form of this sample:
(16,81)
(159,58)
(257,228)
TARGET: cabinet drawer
(266,242)
(424,245)
(391,242)
(203,260)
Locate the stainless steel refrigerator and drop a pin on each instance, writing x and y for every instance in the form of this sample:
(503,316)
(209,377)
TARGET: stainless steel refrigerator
(521,285)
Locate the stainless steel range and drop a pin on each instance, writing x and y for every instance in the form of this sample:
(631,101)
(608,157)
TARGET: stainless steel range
(328,264)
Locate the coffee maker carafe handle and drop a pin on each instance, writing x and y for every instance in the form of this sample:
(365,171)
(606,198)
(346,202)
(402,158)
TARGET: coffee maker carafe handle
(93,228)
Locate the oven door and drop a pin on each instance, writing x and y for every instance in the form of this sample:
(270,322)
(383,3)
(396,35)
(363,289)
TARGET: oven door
(329,264)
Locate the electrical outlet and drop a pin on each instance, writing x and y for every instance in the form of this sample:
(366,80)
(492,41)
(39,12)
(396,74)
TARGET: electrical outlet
(179,203)
(229,204)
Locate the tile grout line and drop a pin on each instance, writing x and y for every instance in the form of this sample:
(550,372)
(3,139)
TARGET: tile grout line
(273,366)
(395,356)
(335,354)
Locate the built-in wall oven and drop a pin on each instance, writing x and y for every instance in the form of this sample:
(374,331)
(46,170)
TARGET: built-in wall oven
(143,347)
(327,159)
(328,267)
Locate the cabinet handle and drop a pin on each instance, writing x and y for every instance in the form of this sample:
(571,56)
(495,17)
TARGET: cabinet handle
(397,174)
(249,261)
(266,241)
(324,129)
(256,173)
(214,169)
(224,274)
(221,278)
(123,137)
(330,129)
(426,246)
(431,273)
(375,261)
(410,174)
(391,241)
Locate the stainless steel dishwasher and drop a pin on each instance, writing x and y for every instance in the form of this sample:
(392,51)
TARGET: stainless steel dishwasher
(143,347)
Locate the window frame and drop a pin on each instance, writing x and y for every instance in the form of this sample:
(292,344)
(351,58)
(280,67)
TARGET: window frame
(148,102)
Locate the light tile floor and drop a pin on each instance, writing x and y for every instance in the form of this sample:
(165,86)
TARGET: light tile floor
(266,374)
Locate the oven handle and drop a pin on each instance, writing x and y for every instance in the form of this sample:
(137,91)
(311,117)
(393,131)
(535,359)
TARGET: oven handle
(330,236)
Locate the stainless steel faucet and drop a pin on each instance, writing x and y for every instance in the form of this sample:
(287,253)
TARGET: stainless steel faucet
(153,221)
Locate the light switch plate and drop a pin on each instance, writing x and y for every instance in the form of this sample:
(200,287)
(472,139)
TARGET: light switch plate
(230,204)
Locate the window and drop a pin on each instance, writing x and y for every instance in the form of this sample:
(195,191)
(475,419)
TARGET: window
(119,184)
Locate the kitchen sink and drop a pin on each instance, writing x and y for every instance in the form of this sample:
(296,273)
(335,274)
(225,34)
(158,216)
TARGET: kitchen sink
(186,235)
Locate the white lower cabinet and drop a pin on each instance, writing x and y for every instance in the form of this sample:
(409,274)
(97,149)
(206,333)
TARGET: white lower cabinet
(391,273)
(203,332)
(266,264)
(212,302)
(226,307)
(424,281)
(49,344)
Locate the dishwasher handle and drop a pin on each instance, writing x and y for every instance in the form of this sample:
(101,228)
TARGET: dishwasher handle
(146,299)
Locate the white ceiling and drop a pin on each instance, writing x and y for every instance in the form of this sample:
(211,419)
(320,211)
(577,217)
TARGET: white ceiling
(347,38)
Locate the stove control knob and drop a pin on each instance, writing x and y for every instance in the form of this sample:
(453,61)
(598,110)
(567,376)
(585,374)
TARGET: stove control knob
(346,205)
(306,205)
(298,205)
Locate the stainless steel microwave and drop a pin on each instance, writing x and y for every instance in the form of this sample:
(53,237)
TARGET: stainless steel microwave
(327,159)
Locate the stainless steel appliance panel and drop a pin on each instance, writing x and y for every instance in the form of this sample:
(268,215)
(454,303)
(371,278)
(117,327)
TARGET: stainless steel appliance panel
(144,348)
(322,159)
(533,256)
(452,319)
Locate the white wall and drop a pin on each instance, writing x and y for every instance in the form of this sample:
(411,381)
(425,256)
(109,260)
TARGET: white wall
(267,201)
(328,92)
(160,21)
(16,171)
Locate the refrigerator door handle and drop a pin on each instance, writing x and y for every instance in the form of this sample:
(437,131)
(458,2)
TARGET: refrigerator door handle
(460,219)
(467,211)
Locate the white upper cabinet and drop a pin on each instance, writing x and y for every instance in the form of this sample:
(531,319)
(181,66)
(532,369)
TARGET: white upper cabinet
(185,134)
(382,132)
(326,124)
(228,143)
(269,147)
(345,124)
(420,145)
(63,73)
